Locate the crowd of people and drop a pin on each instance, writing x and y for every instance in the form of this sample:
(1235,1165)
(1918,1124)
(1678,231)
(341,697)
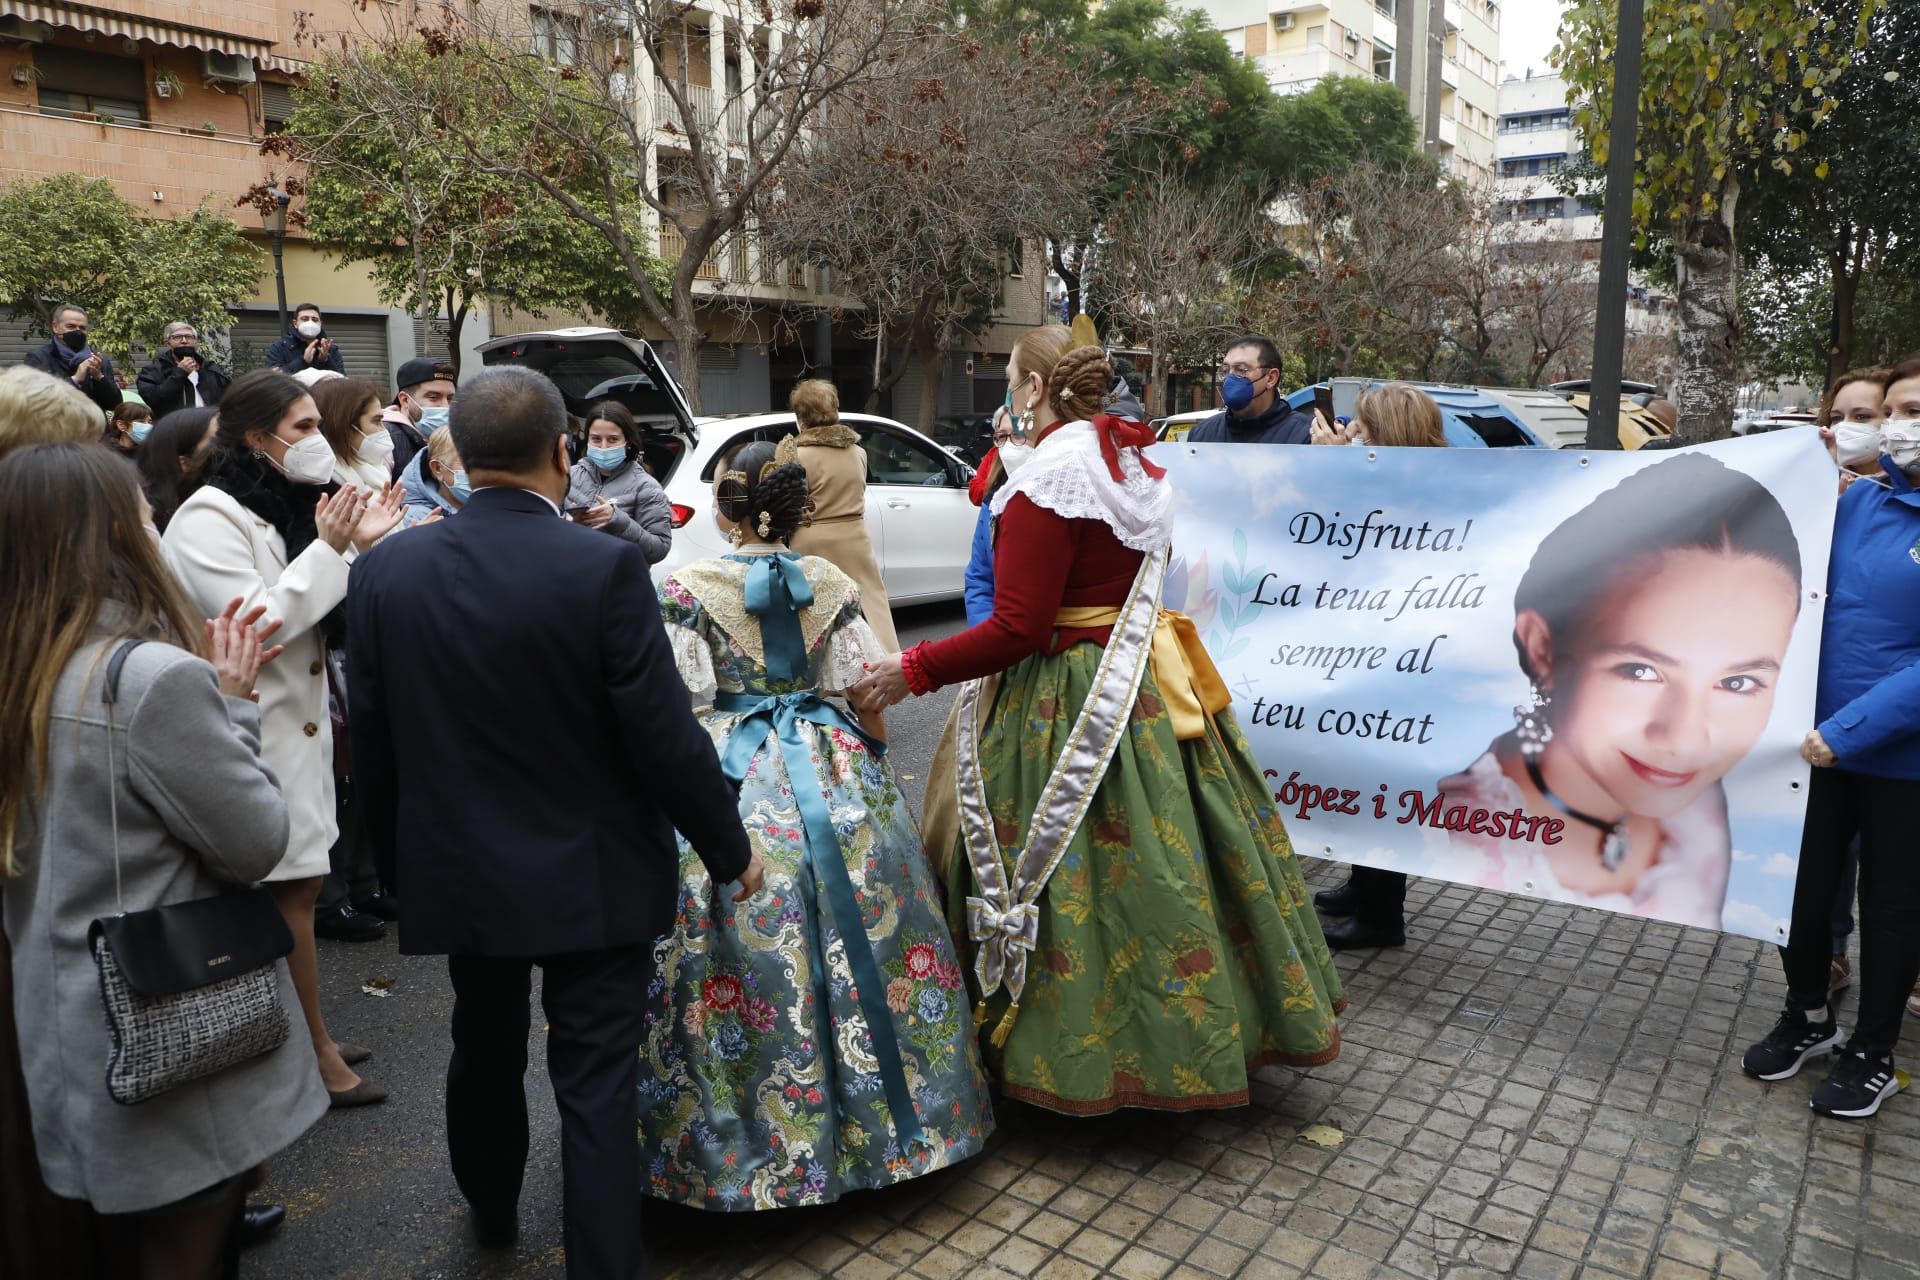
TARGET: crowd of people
(234,623)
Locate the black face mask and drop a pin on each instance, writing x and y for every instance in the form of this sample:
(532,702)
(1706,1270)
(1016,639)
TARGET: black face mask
(186,353)
(74,339)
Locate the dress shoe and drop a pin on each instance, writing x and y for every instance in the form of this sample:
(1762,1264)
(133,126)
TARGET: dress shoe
(257,1222)
(379,903)
(364,1094)
(1352,935)
(354,1054)
(344,924)
(496,1230)
(1337,902)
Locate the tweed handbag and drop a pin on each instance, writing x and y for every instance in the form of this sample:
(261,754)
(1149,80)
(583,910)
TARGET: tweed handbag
(192,988)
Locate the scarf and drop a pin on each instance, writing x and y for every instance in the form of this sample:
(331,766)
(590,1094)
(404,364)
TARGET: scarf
(288,507)
(836,435)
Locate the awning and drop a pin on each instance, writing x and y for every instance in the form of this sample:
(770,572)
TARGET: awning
(78,17)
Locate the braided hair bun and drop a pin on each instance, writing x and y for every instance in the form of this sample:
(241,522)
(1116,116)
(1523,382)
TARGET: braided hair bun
(758,491)
(1078,386)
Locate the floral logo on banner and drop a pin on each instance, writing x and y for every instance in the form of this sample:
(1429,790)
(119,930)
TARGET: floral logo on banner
(1217,615)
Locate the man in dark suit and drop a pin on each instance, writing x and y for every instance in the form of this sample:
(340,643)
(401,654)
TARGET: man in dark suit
(513,666)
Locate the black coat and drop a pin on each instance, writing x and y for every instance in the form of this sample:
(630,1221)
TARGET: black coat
(164,386)
(1280,424)
(103,390)
(522,743)
(288,354)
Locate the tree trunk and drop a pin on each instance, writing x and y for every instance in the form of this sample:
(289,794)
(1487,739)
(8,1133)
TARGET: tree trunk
(687,341)
(1708,340)
(1844,262)
(456,325)
(879,368)
(933,370)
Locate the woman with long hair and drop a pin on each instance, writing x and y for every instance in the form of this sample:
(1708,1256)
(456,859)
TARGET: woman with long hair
(268,525)
(350,419)
(167,802)
(1652,625)
(756,1096)
(127,428)
(611,489)
(1141,934)
(171,461)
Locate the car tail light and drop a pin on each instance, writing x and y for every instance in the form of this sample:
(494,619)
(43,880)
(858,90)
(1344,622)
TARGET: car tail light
(681,514)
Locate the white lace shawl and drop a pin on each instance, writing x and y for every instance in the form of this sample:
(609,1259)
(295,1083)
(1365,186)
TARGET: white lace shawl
(1068,476)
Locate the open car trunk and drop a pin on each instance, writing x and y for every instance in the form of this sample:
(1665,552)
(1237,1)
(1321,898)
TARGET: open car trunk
(591,366)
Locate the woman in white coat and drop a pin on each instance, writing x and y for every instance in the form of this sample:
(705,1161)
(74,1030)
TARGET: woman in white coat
(268,526)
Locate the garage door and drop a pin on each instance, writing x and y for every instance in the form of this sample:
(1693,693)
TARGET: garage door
(14,342)
(362,341)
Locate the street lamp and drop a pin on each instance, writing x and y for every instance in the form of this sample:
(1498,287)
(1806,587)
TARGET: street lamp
(275,221)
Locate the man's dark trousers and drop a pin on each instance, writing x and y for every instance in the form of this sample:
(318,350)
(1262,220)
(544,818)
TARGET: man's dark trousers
(593,1002)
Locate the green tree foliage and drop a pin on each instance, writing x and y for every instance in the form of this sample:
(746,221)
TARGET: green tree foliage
(386,186)
(1838,235)
(1726,86)
(1339,122)
(73,239)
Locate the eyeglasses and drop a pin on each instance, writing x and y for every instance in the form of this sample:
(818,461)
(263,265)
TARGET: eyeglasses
(184,337)
(1244,369)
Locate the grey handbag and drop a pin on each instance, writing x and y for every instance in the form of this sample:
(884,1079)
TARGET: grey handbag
(192,988)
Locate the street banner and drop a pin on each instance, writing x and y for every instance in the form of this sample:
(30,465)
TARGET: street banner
(1581,677)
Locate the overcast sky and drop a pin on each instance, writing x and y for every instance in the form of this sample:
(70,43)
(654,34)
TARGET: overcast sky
(1526,34)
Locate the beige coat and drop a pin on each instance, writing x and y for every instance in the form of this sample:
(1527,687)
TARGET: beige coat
(220,550)
(837,482)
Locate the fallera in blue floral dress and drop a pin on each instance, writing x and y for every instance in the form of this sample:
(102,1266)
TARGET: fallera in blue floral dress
(787,1036)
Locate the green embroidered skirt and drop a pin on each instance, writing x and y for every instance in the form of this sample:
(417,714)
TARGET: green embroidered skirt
(1178,947)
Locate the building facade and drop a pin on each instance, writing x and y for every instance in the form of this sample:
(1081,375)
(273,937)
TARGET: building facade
(1443,56)
(1537,141)
(170,101)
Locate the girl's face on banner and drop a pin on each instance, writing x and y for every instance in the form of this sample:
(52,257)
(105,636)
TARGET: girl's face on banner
(1673,679)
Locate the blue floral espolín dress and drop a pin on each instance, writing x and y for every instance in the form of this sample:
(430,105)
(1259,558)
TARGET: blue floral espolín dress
(772,1073)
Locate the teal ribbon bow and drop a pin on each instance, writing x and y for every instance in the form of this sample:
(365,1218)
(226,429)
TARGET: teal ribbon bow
(782,715)
(776,590)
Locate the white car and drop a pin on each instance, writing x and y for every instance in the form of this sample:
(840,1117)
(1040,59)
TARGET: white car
(918,513)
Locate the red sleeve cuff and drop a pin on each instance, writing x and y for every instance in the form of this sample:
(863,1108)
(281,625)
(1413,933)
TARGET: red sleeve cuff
(916,676)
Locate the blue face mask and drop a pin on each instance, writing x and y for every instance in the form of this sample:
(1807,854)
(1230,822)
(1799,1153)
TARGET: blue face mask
(460,489)
(1237,392)
(140,431)
(611,458)
(431,420)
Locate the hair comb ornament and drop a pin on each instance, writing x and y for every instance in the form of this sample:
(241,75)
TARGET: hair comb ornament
(766,524)
(734,477)
(788,450)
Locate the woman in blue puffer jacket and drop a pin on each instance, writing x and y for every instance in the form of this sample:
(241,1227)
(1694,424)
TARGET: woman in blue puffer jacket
(1866,780)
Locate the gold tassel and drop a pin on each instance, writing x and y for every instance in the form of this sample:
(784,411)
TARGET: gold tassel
(1005,1029)
(980,1015)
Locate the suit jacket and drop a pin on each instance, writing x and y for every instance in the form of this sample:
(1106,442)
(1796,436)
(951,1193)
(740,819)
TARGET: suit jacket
(522,743)
(166,387)
(103,390)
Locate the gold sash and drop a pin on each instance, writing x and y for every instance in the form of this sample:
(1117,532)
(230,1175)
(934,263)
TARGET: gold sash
(1189,683)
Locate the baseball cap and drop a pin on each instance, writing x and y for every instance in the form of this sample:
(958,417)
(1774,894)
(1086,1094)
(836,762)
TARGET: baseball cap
(424,369)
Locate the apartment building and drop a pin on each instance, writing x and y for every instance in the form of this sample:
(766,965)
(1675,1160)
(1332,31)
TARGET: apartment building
(1443,55)
(170,100)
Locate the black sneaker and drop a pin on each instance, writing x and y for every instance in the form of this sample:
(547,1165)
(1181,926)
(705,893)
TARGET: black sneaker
(379,904)
(1793,1040)
(1856,1086)
(344,924)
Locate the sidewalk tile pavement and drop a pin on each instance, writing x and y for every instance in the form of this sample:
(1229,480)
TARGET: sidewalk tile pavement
(1526,1089)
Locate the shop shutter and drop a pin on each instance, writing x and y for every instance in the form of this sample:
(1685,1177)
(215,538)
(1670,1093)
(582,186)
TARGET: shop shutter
(362,341)
(14,342)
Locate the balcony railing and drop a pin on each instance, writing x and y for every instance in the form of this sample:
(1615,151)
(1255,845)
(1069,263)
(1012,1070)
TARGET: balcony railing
(724,261)
(699,102)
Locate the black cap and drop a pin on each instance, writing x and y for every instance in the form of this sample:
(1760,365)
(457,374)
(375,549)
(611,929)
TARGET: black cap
(423,369)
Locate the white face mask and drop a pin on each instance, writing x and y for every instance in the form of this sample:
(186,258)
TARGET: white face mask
(376,445)
(308,461)
(1014,456)
(1855,443)
(1900,437)
(308,328)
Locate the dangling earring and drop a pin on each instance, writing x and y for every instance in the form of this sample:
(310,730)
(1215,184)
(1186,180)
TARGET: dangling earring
(1530,725)
(735,536)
